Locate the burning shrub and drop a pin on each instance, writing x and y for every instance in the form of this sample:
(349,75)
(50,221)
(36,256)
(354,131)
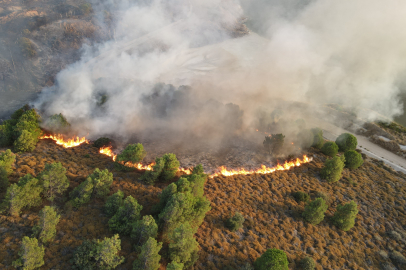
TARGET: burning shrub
(102,142)
(274,143)
(307,263)
(234,223)
(57,123)
(272,259)
(7,160)
(113,203)
(314,211)
(54,180)
(346,142)
(144,229)
(125,217)
(301,196)
(344,217)
(353,159)
(317,137)
(149,257)
(133,153)
(31,254)
(45,228)
(183,247)
(332,169)
(330,149)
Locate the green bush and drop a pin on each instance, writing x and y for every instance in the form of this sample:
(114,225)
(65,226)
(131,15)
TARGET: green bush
(6,133)
(3,178)
(314,211)
(26,142)
(149,257)
(174,266)
(83,256)
(198,169)
(102,181)
(54,180)
(307,263)
(57,123)
(301,196)
(330,149)
(164,198)
(123,221)
(31,254)
(332,169)
(353,159)
(149,177)
(102,142)
(234,223)
(170,168)
(317,137)
(7,160)
(344,217)
(133,153)
(272,259)
(346,142)
(323,195)
(183,247)
(113,203)
(144,229)
(82,193)
(45,229)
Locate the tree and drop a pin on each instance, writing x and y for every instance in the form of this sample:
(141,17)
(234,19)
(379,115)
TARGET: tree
(144,229)
(57,123)
(31,255)
(346,142)
(6,133)
(46,227)
(106,253)
(272,259)
(353,159)
(113,203)
(164,197)
(317,137)
(332,169)
(183,247)
(83,256)
(274,143)
(101,181)
(170,168)
(330,149)
(198,169)
(149,257)
(307,263)
(344,217)
(102,142)
(133,153)
(234,223)
(3,178)
(7,160)
(82,193)
(149,177)
(301,196)
(54,180)
(314,211)
(174,266)
(126,216)
(26,142)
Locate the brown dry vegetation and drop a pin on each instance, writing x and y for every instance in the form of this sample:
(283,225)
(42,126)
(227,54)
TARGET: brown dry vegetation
(273,217)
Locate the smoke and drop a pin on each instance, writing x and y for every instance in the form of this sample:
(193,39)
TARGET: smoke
(321,51)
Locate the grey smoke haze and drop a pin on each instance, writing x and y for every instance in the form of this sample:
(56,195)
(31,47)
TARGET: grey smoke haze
(322,51)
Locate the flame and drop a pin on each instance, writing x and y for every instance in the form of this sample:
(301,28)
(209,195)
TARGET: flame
(263,170)
(66,143)
(108,152)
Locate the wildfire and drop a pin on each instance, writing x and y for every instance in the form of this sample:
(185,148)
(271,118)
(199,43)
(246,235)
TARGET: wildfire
(67,143)
(263,170)
(108,152)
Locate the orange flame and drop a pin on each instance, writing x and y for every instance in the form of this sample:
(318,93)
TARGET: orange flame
(108,152)
(263,170)
(66,143)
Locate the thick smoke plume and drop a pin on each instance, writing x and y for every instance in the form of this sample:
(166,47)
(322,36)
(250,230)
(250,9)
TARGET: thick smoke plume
(322,51)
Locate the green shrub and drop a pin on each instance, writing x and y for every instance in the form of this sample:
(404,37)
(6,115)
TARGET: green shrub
(45,229)
(170,168)
(317,137)
(31,255)
(234,223)
(332,169)
(149,177)
(3,178)
(133,153)
(314,211)
(83,256)
(102,142)
(323,195)
(301,196)
(164,198)
(174,266)
(330,149)
(198,169)
(307,263)
(346,142)
(102,181)
(144,229)
(183,247)
(353,159)
(123,221)
(7,160)
(54,180)
(149,257)
(6,133)
(82,193)
(272,259)
(113,203)
(344,217)
(57,123)
(274,143)
(26,142)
